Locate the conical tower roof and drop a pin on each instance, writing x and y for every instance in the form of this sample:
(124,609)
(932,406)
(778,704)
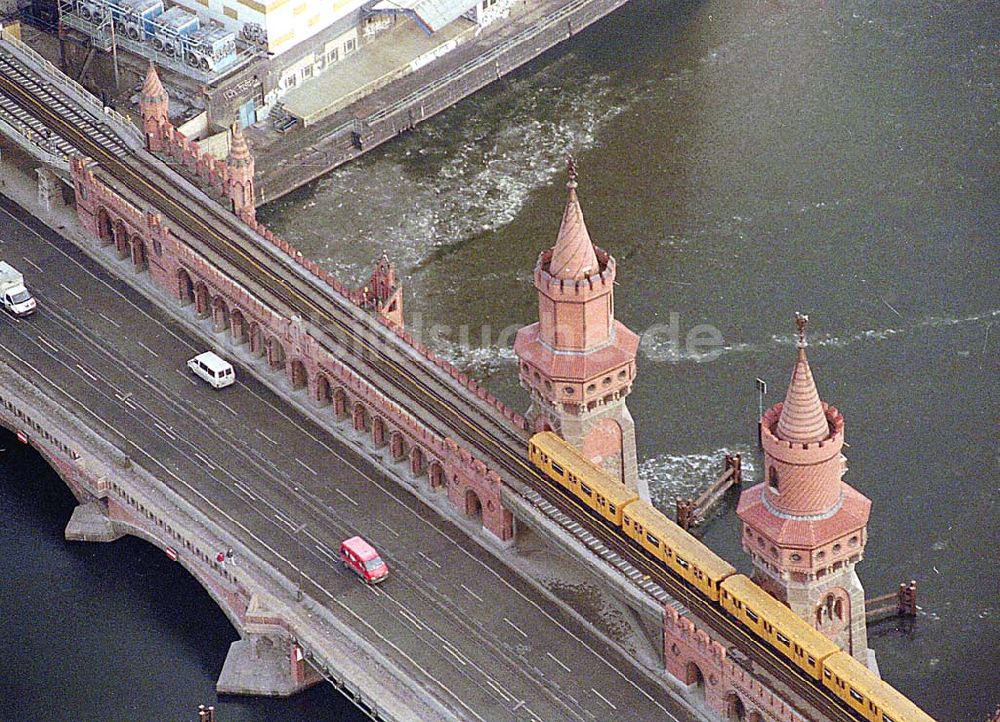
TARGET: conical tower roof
(802,419)
(239,151)
(152,88)
(573,257)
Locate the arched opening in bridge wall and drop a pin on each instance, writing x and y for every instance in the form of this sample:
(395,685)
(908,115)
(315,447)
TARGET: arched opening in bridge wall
(122,241)
(299,375)
(220,314)
(105,231)
(238,323)
(735,710)
(360,417)
(417,462)
(275,354)
(435,474)
(695,681)
(256,340)
(324,392)
(201,299)
(378,431)
(339,403)
(185,287)
(139,254)
(473,507)
(397,447)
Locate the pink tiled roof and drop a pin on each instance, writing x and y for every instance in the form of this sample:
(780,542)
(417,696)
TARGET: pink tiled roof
(791,531)
(802,417)
(573,256)
(152,88)
(239,151)
(582,366)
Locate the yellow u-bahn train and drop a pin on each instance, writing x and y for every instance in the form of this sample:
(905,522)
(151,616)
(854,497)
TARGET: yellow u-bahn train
(717,580)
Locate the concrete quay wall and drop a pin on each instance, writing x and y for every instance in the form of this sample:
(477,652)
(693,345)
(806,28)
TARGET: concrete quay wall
(285,645)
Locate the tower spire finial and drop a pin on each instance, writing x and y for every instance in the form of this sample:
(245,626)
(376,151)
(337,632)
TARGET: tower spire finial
(801,320)
(571,171)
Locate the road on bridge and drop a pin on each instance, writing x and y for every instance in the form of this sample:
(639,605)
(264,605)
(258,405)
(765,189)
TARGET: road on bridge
(477,637)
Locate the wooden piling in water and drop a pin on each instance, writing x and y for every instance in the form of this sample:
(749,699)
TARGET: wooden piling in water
(690,513)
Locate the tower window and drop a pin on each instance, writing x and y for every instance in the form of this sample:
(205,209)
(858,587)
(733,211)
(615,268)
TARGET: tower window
(853,541)
(796,557)
(836,548)
(772,478)
(568,390)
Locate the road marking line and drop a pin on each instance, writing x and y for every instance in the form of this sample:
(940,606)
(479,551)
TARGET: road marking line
(557,661)
(519,630)
(454,653)
(347,497)
(393,531)
(86,372)
(35,265)
(164,430)
(205,461)
(326,552)
(245,490)
(186,377)
(306,466)
(603,697)
(267,437)
(71,292)
(500,691)
(109,320)
(42,339)
(413,620)
(471,592)
(227,407)
(148,349)
(429,559)
(286,522)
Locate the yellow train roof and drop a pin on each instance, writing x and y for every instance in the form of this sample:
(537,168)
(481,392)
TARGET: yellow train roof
(690,548)
(587,471)
(798,629)
(884,695)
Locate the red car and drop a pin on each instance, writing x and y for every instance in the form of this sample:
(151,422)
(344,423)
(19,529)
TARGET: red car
(359,555)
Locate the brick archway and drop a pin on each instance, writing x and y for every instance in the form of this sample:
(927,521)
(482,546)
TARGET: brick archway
(299,375)
(435,473)
(139,259)
(417,461)
(695,680)
(220,314)
(378,431)
(105,229)
(397,446)
(339,403)
(256,340)
(275,354)
(238,324)
(123,243)
(185,287)
(359,417)
(201,299)
(473,506)
(736,711)
(324,392)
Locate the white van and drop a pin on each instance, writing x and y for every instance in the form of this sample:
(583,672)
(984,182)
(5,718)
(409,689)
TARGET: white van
(216,371)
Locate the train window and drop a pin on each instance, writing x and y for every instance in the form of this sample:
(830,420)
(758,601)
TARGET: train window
(812,661)
(682,563)
(652,540)
(856,696)
(670,552)
(753,617)
(783,639)
(626,521)
(826,673)
(558,469)
(612,509)
(586,489)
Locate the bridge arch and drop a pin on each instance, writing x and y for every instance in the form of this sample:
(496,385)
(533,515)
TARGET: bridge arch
(275,354)
(397,446)
(324,392)
(139,258)
(339,403)
(256,340)
(299,375)
(238,324)
(201,299)
(695,680)
(220,314)
(435,474)
(736,711)
(359,417)
(378,431)
(417,461)
(122,240)
(473,506)
(105,228)
(185,287)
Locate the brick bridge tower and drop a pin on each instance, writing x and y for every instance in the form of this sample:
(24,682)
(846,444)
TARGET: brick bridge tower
(803,527)
(578,362)
(154,110)
(239,182)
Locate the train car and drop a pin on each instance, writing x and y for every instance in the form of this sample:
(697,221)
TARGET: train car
(861,690)
(698,565)
(574,472)
(793,637)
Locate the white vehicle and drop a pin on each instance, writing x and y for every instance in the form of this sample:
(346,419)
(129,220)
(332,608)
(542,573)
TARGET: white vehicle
(216,371)
(14,295)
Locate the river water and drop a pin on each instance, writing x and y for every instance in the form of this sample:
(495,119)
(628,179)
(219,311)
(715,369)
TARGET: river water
(742,160)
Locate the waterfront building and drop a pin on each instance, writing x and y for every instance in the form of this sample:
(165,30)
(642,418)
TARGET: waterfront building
(803,526)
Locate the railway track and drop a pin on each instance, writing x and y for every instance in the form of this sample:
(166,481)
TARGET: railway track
(339,326)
